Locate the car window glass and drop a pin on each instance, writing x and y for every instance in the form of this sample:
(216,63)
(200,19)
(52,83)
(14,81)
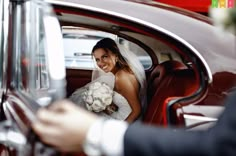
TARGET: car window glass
(143,56)
(78,43)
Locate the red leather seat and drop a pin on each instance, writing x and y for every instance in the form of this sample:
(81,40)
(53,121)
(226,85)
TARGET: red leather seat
(76,79)
(169,79)
(159,73)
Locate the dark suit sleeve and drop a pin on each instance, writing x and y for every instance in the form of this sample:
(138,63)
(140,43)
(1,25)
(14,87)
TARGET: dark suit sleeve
(220,140)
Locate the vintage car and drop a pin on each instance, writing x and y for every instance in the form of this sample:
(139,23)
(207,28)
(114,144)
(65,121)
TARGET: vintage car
(189,63)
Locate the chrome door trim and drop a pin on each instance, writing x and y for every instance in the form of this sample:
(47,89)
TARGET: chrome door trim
(16,42)
(4,19)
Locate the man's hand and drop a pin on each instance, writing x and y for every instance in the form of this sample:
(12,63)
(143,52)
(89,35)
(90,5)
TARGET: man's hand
(63,125)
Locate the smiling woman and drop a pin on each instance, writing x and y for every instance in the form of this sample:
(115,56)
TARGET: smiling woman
(128,79)
(105,60)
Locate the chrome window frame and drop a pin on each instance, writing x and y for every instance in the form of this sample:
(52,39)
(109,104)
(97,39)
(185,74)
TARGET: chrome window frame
(29,16)
(4,4)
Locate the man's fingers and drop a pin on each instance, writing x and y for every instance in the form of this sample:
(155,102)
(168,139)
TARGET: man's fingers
(70,148)
(62,106)
(48,134)
(49,117)
(53,135)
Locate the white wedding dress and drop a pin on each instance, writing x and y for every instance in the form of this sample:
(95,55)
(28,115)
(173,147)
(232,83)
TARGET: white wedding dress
(124,108)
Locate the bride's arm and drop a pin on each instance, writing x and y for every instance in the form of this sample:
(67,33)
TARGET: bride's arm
(127,85)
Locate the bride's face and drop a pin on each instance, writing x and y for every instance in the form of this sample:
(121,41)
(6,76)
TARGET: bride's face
(105,60)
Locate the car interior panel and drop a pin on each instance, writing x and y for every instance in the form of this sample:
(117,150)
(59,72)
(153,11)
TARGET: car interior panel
(76,79)
(223,84)
(212,99)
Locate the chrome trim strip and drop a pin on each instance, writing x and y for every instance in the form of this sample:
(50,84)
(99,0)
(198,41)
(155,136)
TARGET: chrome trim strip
(209,73)
(16,43)
(1,40)
(12,115)
(201,118)
(4,32)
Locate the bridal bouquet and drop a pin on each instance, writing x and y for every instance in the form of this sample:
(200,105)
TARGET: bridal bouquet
(98,97)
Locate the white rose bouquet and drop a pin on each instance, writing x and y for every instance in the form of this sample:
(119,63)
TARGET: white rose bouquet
(98,97)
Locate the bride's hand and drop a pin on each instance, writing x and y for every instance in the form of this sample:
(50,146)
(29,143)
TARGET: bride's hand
(63,125)
(111,109)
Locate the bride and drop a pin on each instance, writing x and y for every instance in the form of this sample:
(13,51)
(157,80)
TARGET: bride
(123,72)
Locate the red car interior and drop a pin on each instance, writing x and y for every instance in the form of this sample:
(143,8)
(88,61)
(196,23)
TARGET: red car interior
(223,83)
(169,79)
(76,79)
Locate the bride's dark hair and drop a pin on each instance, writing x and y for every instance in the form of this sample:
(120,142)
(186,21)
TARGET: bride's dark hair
(110,45)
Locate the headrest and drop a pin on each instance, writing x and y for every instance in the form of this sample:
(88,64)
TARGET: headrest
(166,67)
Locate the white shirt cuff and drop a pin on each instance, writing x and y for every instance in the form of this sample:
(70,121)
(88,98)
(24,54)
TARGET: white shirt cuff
(112,142)
(106,137)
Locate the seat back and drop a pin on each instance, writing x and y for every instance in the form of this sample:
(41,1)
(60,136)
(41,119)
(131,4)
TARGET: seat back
(159,73)
(76,79)
(169,79)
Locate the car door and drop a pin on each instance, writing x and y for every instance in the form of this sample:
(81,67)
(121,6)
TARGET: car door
(31,76)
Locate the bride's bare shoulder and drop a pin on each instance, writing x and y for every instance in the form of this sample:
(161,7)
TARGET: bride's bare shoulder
(124,77)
